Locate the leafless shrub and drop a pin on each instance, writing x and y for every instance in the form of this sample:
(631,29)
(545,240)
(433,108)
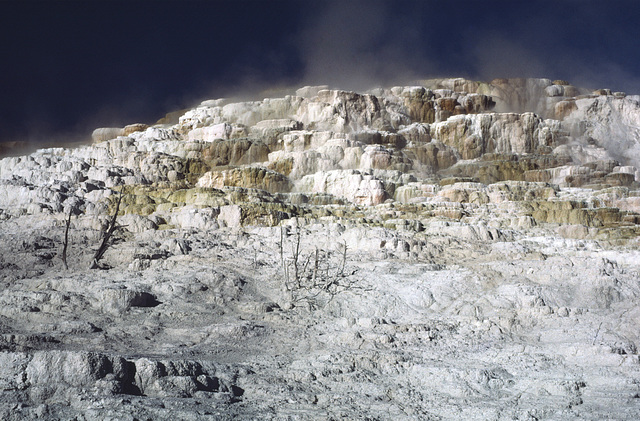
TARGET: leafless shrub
(316,277)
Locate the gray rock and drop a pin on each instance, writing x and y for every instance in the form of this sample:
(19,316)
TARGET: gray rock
(418,252)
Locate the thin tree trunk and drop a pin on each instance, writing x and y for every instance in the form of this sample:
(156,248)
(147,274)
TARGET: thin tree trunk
(106,237)
(66,241)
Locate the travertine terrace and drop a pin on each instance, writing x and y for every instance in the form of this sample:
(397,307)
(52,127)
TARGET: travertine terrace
(448,250)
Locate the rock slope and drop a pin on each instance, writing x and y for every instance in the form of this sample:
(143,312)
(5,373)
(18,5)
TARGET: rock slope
(450,250)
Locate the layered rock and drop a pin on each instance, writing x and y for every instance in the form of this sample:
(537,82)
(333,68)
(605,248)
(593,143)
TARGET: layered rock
(250,177)
(445,128)
(411,252)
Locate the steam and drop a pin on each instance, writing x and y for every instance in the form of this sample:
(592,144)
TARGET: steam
(353,45)
(359,45)
(496,56)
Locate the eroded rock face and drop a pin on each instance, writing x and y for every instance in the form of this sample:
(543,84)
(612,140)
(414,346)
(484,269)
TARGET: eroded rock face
(250,177)
(361,189)
(425,129)
(474,136)
(411,252)
(609,126)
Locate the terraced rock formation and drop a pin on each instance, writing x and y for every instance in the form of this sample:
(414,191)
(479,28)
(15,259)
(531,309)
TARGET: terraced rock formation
(450,250)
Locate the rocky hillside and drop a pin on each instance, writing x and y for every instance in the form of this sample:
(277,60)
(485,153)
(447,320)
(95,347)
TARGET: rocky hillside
(450,250)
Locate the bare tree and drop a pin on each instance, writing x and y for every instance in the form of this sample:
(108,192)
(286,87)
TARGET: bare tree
(321,276)
(66,240)
(107,234)
(283,263)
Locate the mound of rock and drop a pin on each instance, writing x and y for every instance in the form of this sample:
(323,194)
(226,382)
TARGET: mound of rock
(453,249)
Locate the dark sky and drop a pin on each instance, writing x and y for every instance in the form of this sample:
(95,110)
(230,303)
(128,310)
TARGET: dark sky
(71,66)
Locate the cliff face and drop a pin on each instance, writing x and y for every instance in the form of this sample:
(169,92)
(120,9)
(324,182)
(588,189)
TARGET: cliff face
(449,127)
(425,250)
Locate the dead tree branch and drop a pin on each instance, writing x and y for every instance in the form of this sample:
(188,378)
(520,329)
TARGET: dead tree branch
(316,277)
(283,262)
(106,236)
(66,241)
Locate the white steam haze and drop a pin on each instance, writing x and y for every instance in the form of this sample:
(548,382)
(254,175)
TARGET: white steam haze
(359,45)
(353,44)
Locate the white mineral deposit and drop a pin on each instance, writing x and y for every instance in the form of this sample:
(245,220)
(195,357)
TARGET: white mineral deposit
(444,251)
